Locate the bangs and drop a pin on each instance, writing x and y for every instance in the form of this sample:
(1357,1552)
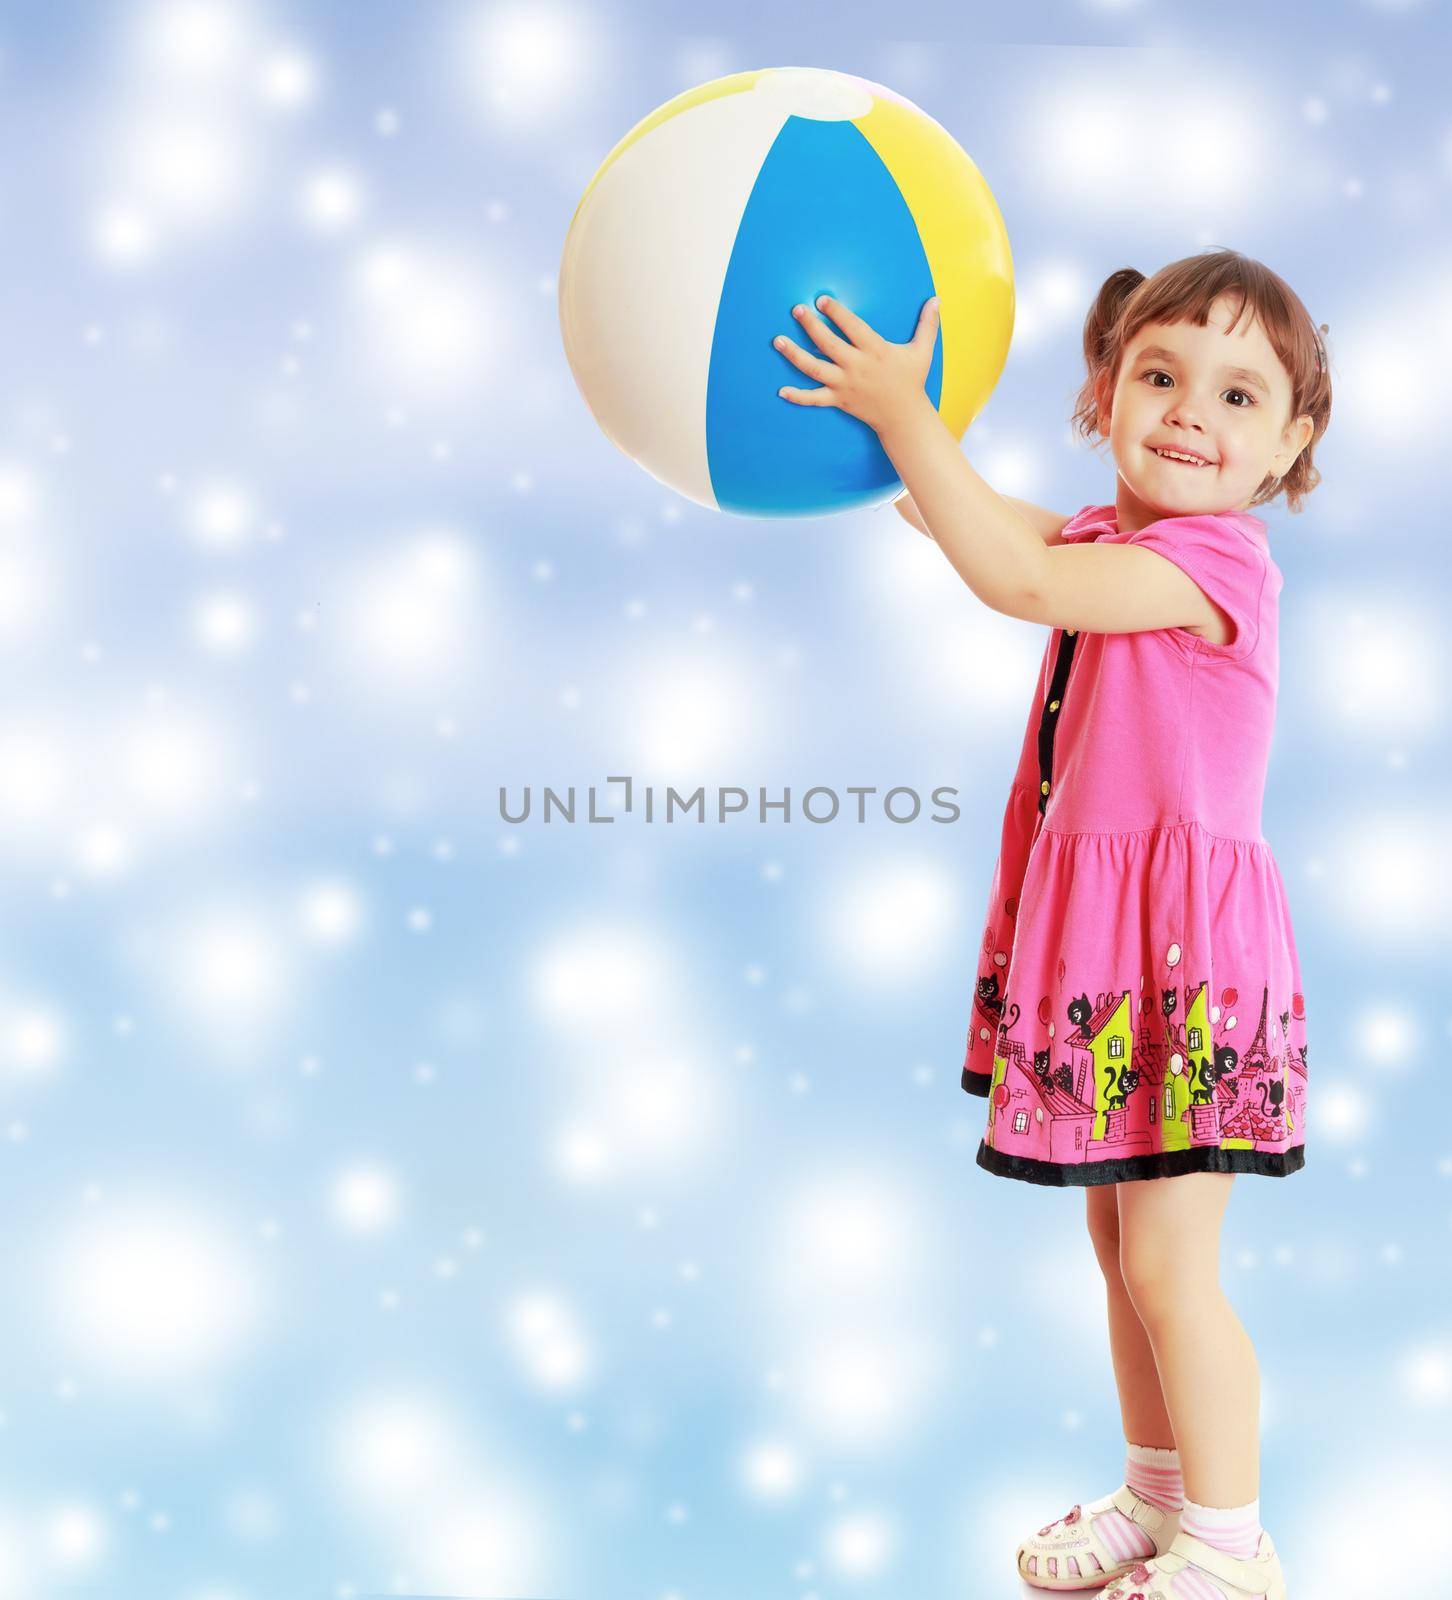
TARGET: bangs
(1190,296)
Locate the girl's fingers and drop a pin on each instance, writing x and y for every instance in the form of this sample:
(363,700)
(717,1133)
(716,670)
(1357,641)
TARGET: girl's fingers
(822,336)
(808,397)
(927,328)
(810,364)
(848,321)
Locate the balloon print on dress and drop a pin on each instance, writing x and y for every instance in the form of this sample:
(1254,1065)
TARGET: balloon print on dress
(1228,997)
(1172,956)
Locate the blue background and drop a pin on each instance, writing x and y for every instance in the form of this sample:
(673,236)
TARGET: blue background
(401,1201)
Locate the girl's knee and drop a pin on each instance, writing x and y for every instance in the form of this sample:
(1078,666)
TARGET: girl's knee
(1162,1279)
(1101,1213)
(1148,1276)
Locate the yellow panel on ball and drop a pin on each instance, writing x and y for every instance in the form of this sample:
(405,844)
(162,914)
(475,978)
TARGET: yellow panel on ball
(967,246)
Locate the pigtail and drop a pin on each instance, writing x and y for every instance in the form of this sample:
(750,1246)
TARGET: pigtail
(1101,344)
(1314,398)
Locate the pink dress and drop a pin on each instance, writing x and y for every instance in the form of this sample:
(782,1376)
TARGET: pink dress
(1138,1009)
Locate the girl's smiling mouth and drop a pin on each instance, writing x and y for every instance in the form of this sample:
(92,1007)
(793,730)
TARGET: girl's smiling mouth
(1186,458)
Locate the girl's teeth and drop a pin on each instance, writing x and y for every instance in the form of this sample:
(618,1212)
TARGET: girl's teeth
(1169,455)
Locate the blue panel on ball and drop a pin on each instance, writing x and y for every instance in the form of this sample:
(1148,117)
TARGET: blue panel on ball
(824,217)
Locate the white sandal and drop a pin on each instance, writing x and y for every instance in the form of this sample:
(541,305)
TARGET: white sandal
(1073,1535)
(1258,1579)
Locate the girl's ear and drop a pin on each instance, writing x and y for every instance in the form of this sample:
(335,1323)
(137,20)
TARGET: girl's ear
(1297,437)
(1103,395)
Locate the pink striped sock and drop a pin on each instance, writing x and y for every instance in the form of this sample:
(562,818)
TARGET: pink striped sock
(1154,1475)
(1233,1529)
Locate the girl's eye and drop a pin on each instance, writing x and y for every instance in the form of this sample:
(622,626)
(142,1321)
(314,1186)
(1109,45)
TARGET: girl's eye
(1250,400)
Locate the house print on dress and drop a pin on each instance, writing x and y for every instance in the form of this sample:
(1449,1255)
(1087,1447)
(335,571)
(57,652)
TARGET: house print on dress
(1165,1085)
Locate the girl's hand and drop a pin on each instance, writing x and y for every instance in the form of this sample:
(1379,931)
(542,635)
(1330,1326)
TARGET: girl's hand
(868,377)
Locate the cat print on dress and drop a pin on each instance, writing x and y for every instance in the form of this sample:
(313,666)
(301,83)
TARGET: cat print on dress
(1135,1079)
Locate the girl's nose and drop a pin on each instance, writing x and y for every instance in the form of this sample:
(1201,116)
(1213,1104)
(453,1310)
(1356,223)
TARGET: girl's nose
(1187,413)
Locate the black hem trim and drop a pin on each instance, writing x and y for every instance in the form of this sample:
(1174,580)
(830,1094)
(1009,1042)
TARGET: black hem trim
(1129,1169)
(977,1082)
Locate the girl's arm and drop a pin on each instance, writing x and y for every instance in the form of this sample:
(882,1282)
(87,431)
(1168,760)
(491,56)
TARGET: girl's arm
(1007,563)
(1047,524)
(907,508)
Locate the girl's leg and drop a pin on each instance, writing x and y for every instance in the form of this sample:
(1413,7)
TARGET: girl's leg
(1141,1400)
(1152,1472)
(1169,1255)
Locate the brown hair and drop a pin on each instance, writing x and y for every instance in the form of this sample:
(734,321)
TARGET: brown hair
(1184,291)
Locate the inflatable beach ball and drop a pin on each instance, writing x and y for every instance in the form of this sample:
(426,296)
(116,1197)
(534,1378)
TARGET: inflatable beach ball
(722,210)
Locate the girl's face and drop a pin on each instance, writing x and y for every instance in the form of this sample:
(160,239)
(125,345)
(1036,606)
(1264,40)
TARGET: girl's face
(1221,397)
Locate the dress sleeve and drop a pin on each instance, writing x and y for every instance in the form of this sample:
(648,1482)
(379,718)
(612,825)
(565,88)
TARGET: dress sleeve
(1228,566)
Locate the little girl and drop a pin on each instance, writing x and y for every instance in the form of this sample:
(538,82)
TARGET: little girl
(1137,1012)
